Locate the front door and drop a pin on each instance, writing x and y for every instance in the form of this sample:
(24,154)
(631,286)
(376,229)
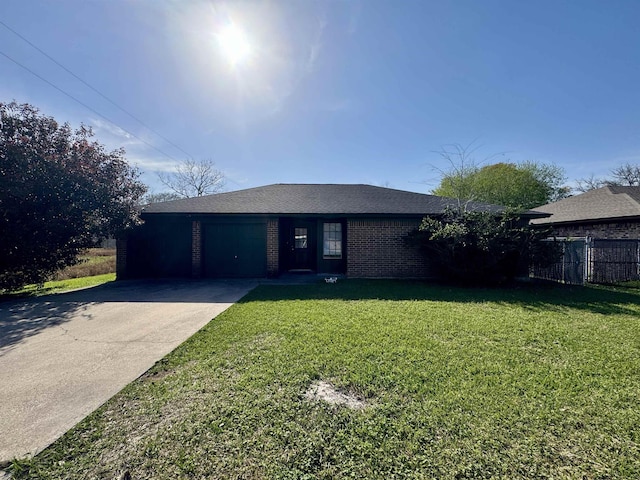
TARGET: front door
(301,244)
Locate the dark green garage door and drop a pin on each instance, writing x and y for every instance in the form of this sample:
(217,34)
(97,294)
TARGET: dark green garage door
(235,250)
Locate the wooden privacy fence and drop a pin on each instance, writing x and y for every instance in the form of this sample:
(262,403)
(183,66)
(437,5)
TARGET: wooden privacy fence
(593,260)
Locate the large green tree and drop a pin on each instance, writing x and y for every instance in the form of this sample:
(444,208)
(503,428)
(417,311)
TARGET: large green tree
(519,185)
(60,192)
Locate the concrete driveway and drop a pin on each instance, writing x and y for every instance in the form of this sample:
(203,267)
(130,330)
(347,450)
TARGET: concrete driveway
(62,356)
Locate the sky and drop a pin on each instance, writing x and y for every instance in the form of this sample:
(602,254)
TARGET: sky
(342,91)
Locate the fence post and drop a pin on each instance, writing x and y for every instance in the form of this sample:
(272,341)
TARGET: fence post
(564,261)
(586,270)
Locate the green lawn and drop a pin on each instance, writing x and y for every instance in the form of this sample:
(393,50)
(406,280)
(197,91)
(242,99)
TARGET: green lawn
(60,286)
(95,261)
(535,382)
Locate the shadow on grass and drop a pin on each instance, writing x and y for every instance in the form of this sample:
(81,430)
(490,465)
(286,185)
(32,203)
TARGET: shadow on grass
(25,317)
(555,297)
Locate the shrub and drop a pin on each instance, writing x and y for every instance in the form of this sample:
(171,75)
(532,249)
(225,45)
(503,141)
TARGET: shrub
(482,248)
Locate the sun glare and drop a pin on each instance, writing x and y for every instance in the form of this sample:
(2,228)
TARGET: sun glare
(234,45)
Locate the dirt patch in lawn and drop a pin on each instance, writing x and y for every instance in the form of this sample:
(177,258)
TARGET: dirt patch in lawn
(326,392)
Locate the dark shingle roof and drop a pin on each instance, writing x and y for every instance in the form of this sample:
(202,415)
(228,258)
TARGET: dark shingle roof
(604,203)
(318,199)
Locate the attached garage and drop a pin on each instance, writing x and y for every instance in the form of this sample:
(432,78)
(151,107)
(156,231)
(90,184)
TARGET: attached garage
(161,247)
(235,250)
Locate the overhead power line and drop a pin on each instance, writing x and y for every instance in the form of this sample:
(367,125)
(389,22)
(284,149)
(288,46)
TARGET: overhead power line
(92,88)
(86,106)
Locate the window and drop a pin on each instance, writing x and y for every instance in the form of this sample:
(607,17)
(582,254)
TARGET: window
(300,238)
(332,240)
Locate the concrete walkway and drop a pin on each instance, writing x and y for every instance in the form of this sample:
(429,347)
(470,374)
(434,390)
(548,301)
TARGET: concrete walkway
(62,356)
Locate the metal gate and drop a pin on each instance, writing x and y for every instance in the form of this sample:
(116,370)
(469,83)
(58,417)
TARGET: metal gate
(593,261)
(613,261)
(570,269)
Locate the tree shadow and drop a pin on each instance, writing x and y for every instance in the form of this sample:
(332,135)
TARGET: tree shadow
(19,320)
(530,296)
(25,317)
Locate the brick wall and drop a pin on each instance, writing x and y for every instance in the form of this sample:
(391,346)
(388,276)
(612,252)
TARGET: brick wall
(376,248)
(600,230)
(273,247)
(121,257)
(196,248)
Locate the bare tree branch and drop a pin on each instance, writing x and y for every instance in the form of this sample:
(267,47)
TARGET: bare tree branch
(457,181)
(193,178)
(518,185)
(159,197)
(591,183)
(625,175)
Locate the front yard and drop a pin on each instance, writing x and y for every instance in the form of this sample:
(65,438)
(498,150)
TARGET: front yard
(535,382)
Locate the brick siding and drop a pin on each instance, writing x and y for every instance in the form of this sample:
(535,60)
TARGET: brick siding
(273,247)
(600,230)
(196,249)
(376,248)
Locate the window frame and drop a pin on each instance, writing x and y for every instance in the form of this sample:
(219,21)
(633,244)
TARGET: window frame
(332,237)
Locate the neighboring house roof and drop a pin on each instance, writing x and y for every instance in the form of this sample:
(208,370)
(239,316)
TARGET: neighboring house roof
(318,199)
(606,203)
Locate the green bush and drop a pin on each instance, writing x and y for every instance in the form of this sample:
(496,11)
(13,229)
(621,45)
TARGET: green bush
(482,248)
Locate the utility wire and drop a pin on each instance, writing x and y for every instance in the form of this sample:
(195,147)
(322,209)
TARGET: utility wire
(93,88)
(87,106)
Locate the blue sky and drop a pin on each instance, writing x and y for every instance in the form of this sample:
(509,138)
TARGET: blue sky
(338,91)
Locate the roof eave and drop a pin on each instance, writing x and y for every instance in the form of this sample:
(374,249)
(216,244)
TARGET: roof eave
(592,220)
(306,214)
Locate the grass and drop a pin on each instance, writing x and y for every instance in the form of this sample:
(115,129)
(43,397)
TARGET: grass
(630,284)
(96,261)
(97,266)
(60,286)
(535,382)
